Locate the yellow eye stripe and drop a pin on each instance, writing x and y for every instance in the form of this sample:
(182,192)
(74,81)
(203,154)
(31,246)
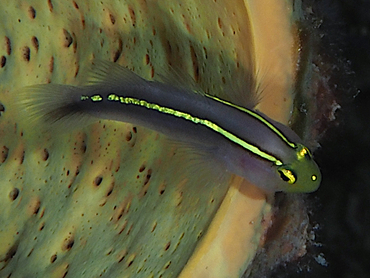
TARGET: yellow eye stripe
(186,116)
(258,117)
(288,176)
(304,153)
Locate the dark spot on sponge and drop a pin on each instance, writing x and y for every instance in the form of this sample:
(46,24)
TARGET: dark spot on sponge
(29,253)
(112,19)
(162,189)
(147,59)
(45,155)
(219,22)
(194,58)
(31,12)
(110,190)
(77,70)
(80,147)
(75,5)
(154,227)
(53,258)
(4,154)
(11,252)
(167,246)
(51,64)
(167,265)
(128,136)
(2,61)
(67,38)
(117,53)
(35,206)
(98,180)
(74,44)
(22,157)
(132,15)
(35,43)
(152,72)
(2,109)
(68,243)
(130,263)
(26,53)
(8,46)
(14,194)
(50,6)
(142,168)
(122,256)
(148,176)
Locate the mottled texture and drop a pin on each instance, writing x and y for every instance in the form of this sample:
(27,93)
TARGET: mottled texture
(86,195)
(109,199)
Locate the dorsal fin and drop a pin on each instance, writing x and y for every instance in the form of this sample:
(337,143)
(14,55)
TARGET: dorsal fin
(242,90)
(111,73)
(174,76)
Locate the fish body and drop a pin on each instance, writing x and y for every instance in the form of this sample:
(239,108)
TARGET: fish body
(243,141)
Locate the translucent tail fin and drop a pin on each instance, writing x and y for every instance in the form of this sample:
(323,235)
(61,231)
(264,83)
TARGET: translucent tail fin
(51,107)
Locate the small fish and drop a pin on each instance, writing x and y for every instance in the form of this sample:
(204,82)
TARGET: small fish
(245,142)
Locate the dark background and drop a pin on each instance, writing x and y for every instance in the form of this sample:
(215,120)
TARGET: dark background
(341,207)
(344,197)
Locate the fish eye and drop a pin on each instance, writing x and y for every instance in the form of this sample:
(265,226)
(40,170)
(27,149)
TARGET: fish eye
(287,175)
(314,178)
